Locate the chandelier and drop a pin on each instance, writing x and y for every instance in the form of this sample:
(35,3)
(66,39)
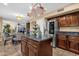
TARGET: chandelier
(36,10)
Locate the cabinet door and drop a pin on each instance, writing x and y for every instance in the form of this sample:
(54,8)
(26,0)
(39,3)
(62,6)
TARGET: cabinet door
(68,20)
(74,43)
(32,51)
(78,18)
(74,46)
(61,21)
(24,48)
(61,41)
(64,21)
(74,20)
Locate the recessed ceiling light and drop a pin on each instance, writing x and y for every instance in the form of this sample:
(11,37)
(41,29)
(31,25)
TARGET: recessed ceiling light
(5,4)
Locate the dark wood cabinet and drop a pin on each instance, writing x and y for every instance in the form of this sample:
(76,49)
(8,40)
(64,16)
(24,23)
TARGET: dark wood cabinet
(68,42)
(69,20)
(61,41)
(30,47)
(74,20)
(62,21)
(74,43)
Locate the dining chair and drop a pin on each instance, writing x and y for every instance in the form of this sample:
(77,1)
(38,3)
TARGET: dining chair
(6,38)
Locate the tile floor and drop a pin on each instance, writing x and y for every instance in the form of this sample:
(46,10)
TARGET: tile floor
(15,50)
(10,50)
(61,52)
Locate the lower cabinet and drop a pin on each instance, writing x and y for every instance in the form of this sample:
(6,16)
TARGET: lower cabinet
(74,43)
(30,47)
(74,46)
(61,42)
(68,42)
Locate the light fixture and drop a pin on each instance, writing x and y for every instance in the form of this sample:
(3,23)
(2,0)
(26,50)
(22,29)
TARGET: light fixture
(19,17)
(36,10)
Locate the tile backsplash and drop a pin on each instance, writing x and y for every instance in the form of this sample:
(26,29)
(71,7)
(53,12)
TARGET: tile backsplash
(69,29)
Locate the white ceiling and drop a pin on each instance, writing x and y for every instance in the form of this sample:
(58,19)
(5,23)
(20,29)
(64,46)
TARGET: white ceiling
(8,12)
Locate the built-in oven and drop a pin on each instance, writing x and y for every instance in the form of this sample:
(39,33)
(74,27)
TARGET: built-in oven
(53,28)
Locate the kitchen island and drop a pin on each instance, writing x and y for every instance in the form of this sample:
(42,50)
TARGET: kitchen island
(33,46)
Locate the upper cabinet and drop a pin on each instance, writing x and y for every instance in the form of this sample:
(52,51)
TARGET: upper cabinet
(69,20)
(62,21)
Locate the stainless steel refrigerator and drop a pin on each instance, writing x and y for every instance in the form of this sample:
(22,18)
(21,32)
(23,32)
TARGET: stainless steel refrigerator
(53,29)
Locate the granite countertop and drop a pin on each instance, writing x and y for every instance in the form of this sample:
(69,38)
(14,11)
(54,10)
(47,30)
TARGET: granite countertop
(69,33)
(42,38)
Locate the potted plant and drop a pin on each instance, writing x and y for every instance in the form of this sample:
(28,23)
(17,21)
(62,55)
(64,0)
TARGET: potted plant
(35,30)
(7,29)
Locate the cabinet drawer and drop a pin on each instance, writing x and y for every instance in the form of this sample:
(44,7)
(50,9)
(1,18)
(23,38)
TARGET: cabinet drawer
(74,38)
(61,37)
